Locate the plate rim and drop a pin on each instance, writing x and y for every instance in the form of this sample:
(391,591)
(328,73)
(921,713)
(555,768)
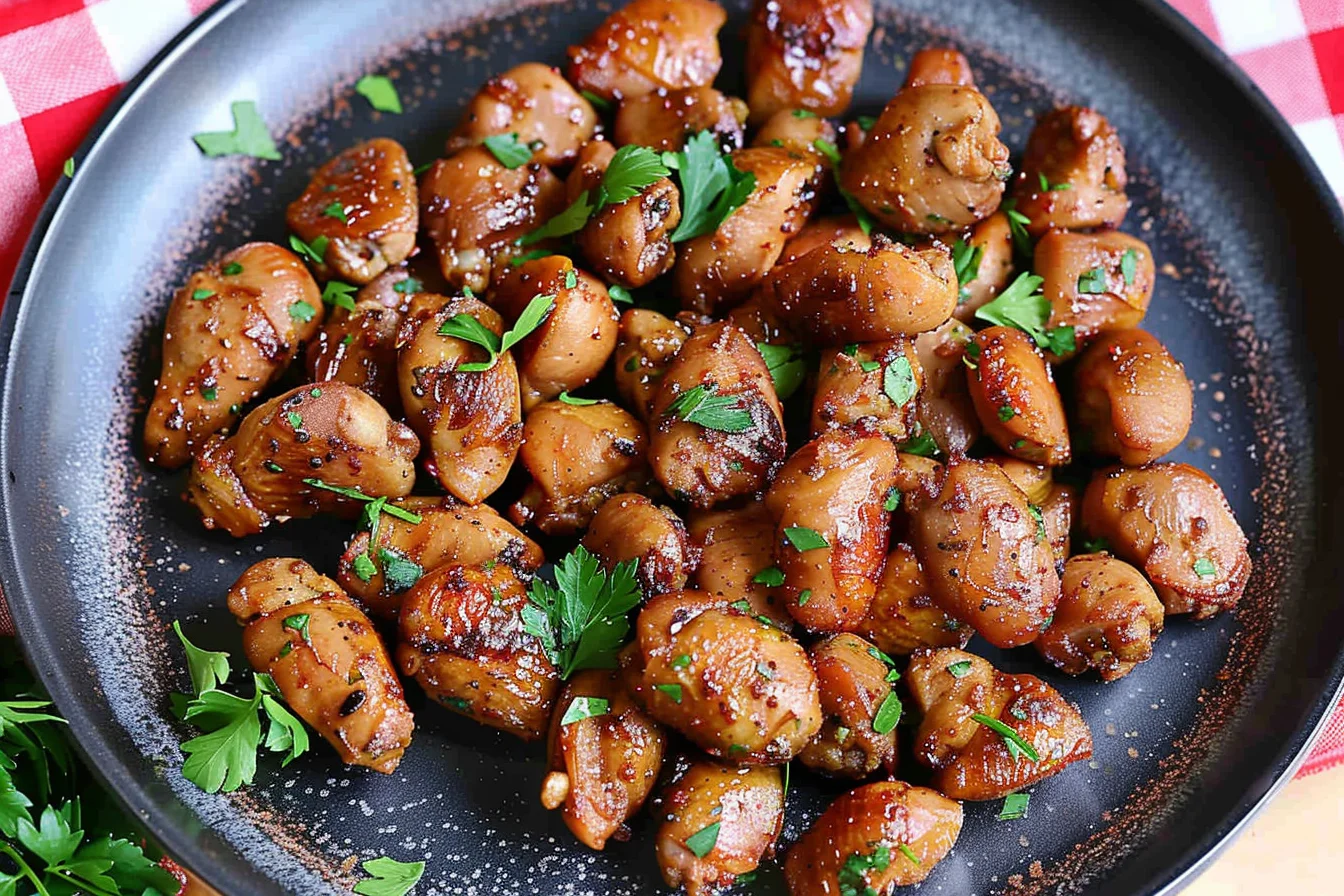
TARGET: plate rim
(96,749)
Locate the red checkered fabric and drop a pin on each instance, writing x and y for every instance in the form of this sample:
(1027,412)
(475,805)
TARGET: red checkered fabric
(62,61)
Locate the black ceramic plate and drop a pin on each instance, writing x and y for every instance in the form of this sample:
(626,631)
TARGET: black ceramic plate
(100,555)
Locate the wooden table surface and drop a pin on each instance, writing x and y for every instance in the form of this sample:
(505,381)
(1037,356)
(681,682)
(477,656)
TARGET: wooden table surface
(1293,847)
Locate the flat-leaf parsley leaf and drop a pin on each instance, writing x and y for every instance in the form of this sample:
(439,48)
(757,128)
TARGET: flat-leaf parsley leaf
(1023,306)
(712,187)
(249,136)
(581,619)
(389,877)
(380,92)
(700,405)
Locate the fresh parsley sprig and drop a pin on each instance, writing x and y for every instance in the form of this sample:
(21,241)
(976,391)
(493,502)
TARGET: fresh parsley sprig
(632,170)
(224,756)
(898,381)
(712,187)
(1023,306)
(1017,227)
(467,328)
(59,833)
(853,874)
(339,294)
(315,251)
(399,571)
(581,620)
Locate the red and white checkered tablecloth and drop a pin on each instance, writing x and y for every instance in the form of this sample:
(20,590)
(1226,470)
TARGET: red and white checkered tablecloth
(62,61)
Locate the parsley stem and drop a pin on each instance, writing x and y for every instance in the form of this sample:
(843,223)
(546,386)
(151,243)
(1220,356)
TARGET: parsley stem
(389,509)
(80,885)
(23,868)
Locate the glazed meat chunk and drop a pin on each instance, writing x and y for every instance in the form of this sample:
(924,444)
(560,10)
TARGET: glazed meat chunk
(1173,522)
(578,456)
(467,407)
(718,270)
(629,243)
(441,532)
(879,837)
(716,426)
(463,641)
(326,658)
(633,528)
(933,161)
(359,211)
(742,805)
(1133,398)
(604,756)
(829,504)
(537,106)
(663,120)
(841,293)
(232,330)
(986,554)
(1096,282)
(474,209)
(738,688)
(1073,173)
(1107,619)
(805,54)
(293,457)
(648,44)
(985,733)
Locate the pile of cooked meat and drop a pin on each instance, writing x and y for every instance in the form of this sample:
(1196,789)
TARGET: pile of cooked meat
(857,390)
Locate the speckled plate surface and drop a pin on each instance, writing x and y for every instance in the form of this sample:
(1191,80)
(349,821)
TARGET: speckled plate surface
(99,554)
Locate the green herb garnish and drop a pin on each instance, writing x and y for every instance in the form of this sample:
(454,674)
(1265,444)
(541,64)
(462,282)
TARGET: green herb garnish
(581,708)
(1092,282)
(508,150)
(787,366)
(339,294)
(581,619)
(1014,806)
(380,92)
(1022,305)
(960,669)
(389,877)
(888,714)
(249,136)
(315,251)
(853,874)
(1129,266)
(671,690)
(712,187)
(703,840)
(701,406)
(805,539)
(1017,745)
(771,577)
(898,381)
